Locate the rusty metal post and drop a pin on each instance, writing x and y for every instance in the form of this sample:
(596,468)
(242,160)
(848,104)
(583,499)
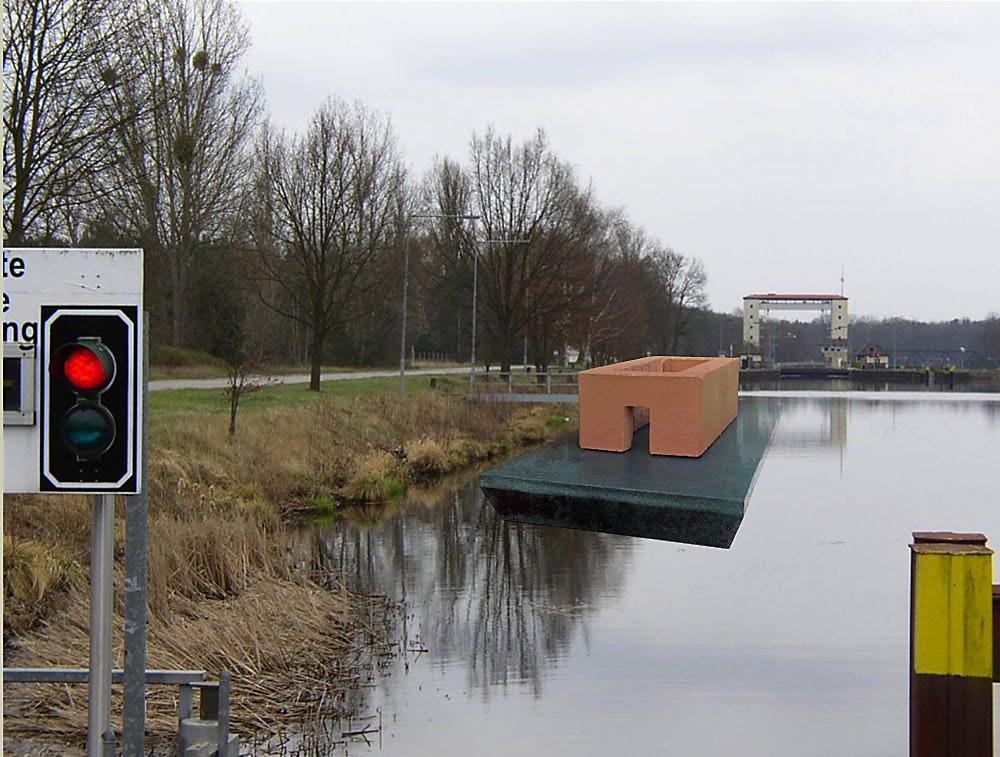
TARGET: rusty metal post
(951,645)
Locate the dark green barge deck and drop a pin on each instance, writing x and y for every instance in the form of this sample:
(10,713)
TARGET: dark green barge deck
(690,500)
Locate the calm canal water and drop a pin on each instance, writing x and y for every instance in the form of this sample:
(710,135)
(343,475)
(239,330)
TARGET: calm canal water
(792,642)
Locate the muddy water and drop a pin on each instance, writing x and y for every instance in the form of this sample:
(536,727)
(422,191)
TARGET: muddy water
(531,640)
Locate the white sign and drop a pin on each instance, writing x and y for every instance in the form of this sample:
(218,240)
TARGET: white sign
(47,293)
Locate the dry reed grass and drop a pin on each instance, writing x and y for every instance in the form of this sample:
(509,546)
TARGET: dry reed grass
(296,650)
(282,456)
(33,575)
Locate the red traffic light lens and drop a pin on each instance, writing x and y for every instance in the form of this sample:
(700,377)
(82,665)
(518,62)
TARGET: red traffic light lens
(86,365)
(84,370)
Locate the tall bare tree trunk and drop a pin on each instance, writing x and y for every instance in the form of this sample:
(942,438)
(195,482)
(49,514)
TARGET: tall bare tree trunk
(315,360)
(508,348)
(177,315)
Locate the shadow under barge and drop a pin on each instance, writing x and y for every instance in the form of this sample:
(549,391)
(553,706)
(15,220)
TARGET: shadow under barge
(691,500)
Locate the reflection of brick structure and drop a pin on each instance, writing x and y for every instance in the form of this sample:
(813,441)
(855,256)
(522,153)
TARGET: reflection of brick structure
(687,402)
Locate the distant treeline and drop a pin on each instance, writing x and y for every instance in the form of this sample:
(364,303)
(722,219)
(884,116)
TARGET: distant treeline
(906,342)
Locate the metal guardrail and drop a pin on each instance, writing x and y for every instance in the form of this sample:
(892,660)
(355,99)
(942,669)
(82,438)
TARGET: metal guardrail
(82,675)
(213,700)
(511,382)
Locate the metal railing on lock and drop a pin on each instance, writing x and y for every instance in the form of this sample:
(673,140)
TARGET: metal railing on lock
(192,734)
(527,382)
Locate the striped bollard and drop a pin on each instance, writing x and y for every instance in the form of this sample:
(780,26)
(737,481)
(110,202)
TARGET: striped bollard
(951,645)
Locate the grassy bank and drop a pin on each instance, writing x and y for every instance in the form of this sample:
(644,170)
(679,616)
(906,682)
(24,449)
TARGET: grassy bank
(228,586)
(168,362)
(166,403)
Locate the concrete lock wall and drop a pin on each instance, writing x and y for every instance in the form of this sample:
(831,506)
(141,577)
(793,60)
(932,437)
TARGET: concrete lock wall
(838,320)
(751,323)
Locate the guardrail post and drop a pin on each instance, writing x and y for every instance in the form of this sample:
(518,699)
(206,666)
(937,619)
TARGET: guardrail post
(510,381)
(223,714)
(548,383)
(185,709)
(951,645)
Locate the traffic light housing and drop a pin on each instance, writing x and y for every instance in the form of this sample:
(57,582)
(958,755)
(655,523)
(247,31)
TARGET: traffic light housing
(90,401)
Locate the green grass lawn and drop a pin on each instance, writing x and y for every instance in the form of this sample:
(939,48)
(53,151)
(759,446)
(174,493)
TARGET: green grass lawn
(284,395)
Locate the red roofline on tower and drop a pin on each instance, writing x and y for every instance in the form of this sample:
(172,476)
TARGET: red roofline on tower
(800,297)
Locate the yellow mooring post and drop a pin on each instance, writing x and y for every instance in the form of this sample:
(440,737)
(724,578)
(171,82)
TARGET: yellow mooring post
(951,645)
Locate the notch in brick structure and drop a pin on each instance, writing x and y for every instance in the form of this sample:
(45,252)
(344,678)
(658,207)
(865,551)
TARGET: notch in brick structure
(686,401)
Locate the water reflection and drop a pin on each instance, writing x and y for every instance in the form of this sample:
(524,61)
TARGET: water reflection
(796,383)
(813,424)
(795,641)
(504,599)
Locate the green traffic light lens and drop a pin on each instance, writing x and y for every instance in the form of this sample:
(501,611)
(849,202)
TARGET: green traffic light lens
(88,429)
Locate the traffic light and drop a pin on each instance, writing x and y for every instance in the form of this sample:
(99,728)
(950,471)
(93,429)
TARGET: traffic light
(88,429)
(90,399)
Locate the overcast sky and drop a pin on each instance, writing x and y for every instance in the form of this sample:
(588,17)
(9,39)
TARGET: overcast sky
(775,142)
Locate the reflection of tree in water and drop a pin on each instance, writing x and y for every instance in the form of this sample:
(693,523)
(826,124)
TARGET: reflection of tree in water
(506,598)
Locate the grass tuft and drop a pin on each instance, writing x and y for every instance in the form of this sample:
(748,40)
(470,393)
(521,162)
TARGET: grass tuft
(378,476)
(322,504)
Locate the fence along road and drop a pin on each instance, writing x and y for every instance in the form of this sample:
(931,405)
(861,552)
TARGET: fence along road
(303,378)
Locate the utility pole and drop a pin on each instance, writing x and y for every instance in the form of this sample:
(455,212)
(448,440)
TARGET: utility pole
(406,282)
(475,289)
(402,330)
(893,361)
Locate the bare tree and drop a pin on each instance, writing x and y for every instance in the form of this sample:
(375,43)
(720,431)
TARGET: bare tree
(569,273)
(680,292)
(535,257)
(447,250)
(185,153)
(60,58)
(518,189)
(330,203)
(648,297)
(243,379)
(611,313)
(556,269)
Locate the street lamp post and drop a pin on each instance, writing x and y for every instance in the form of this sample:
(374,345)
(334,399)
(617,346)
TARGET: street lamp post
(406,283)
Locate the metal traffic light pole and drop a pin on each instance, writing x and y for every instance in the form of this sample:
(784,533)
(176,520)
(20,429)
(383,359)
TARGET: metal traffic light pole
(101,577)
(136,570)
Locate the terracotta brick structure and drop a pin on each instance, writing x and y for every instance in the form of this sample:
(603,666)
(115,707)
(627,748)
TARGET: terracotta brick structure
(687,402)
